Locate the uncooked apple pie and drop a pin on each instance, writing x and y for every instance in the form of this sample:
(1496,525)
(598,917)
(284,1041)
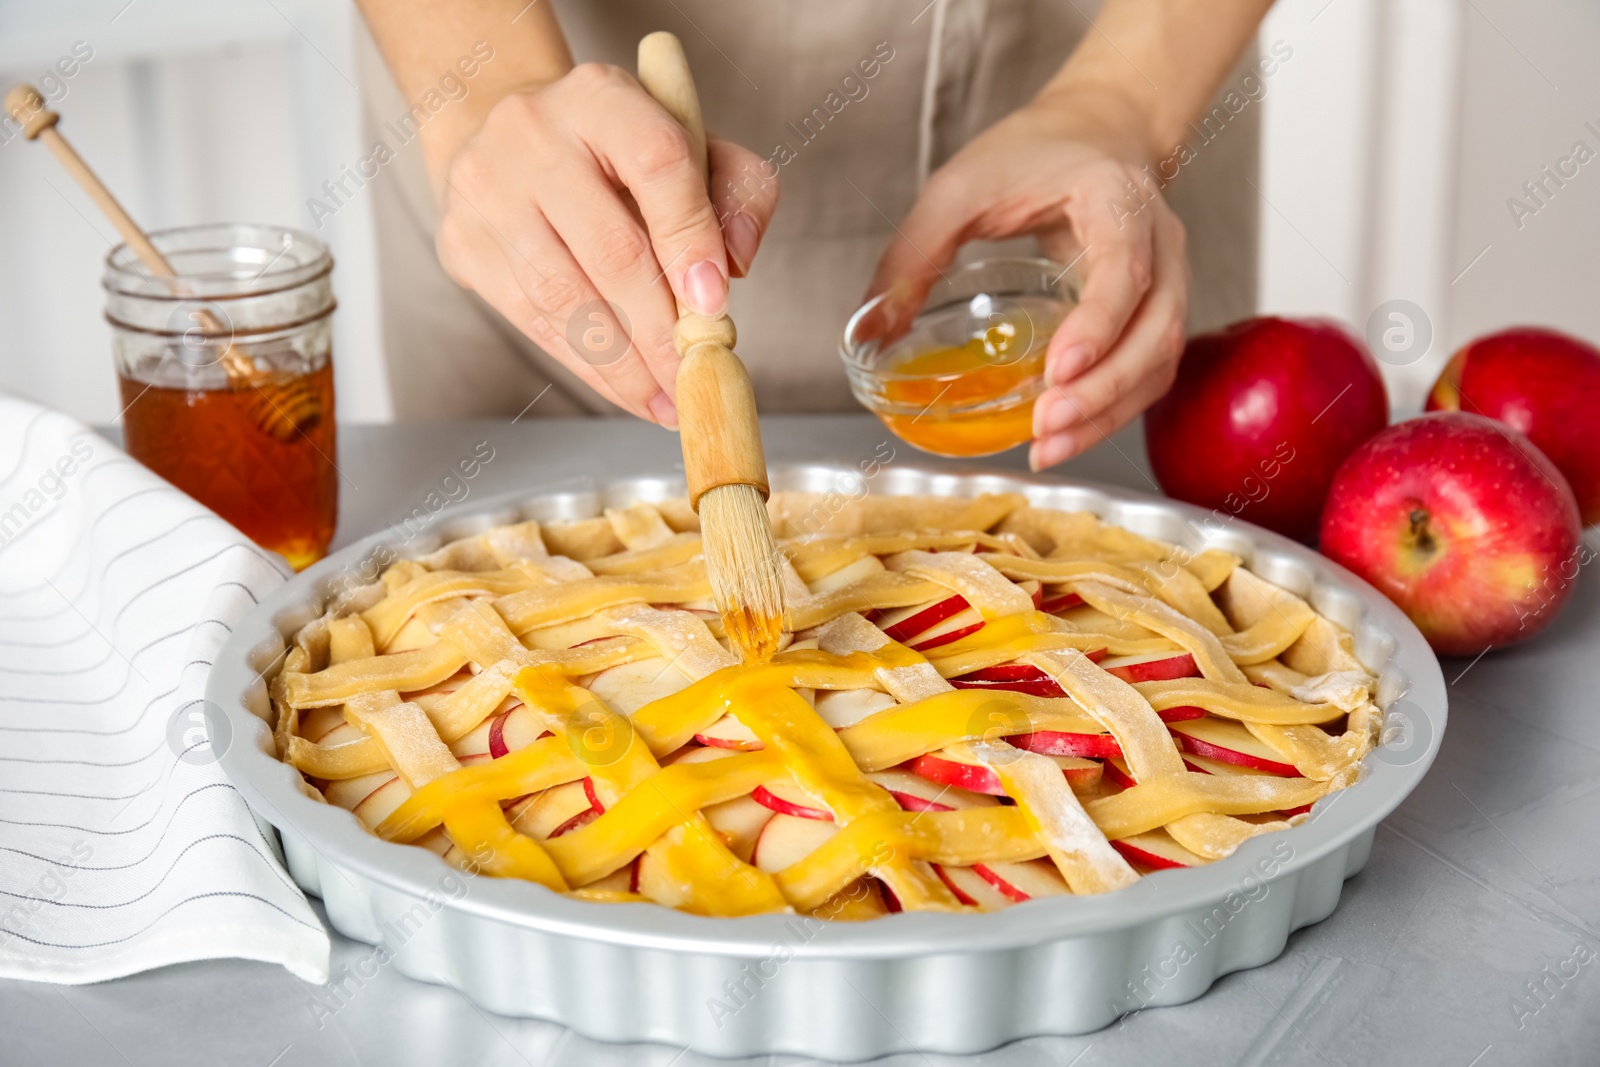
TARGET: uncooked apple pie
(981,702)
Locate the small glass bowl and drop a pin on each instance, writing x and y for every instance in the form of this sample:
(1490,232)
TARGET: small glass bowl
(959,377)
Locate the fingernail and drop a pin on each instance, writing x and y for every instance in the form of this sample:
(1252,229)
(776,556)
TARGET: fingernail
(1053,413)
(1070,364)
(705,290)
(1050,451)
(741,237)
(664,411)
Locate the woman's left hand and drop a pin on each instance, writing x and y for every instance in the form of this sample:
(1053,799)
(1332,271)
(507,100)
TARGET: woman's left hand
(1060,171)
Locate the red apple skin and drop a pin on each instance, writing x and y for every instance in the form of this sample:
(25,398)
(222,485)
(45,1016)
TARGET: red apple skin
(1462,522)
(1545,384)
(1261,415)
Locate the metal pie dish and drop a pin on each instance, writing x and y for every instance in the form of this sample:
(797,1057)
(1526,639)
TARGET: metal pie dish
(954,983)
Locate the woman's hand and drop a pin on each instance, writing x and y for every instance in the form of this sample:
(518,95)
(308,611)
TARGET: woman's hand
(1065,168)
(582,196)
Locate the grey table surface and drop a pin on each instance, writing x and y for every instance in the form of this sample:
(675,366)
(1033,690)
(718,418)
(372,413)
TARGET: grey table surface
(1471,939)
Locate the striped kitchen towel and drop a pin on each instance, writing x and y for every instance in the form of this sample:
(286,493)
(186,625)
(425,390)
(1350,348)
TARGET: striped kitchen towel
(122,845)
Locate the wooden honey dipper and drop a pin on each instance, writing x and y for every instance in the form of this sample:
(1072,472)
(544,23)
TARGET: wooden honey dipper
(285,406)
(723,459)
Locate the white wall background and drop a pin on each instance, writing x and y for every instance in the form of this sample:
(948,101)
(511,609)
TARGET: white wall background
(1392,142)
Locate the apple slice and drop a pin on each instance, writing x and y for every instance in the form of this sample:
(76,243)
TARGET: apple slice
(1151,667)
(513,730)
(1012,678)
(1054,602)
(950,631)
(630,686)
(1023,881)
(544,813)
(840,708)
(1156,849)
(739,821)
(567,634)
(728,732)
(1007,672)
(327,726)
(378,804)
(624,879)
(346,793)
(849,574)
(914,793)
(1062,743)
(1202,765)
(946,769)
(968,776)
(861,899)
(1090,746)
(1116,772)
(972,888)
(696,754)
(786,798)
(1229,742)
(786,840)
(903,624)
(371,797)
(583,818)
(438,842)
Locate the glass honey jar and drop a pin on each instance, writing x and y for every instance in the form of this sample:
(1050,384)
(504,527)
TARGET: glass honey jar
(226,375)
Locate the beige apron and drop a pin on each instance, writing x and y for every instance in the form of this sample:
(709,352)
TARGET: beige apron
(775,75)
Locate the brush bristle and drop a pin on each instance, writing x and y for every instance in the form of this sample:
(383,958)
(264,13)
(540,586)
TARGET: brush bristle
(742,564)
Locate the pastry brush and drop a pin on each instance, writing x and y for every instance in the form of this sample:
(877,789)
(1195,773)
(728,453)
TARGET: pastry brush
(722,455)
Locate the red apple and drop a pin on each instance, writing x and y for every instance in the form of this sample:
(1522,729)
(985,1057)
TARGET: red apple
(1544,383)
(1462,522)
(1260,417)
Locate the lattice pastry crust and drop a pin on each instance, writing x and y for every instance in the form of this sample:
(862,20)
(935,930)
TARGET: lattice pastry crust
(981,702)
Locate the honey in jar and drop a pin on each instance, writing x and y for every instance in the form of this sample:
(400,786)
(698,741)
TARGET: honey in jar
(282,494)
(226,374)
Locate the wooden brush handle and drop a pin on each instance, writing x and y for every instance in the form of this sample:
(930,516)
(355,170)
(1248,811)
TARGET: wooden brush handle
(716,404)
(664,73)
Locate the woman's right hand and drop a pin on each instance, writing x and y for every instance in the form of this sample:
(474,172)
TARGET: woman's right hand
(581,197)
